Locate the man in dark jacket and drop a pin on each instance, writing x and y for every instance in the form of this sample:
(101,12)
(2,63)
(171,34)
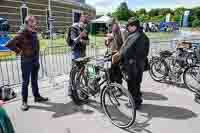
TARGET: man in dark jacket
(133,55)
(26,44)
(78,39)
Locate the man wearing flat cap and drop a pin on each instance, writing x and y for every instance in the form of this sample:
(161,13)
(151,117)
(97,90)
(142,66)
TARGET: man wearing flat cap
(133,55)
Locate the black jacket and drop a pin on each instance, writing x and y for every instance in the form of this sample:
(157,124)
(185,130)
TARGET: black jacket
(137,48)
(75,32)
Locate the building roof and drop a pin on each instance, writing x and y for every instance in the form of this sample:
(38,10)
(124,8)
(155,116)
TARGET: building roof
(103,19)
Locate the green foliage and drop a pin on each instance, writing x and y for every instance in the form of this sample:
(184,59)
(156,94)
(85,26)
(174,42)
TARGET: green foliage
(142,11)
(122,12)
(153,12)
(196,12)
(196,23)
(158,14)
(165,11)
(179,11)
(159,18)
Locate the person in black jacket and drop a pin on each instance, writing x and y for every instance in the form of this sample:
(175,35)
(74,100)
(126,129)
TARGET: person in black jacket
(133,56)
(78,39)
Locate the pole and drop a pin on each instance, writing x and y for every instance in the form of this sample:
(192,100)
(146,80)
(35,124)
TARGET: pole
(23,12)
(181,21)
(50,24)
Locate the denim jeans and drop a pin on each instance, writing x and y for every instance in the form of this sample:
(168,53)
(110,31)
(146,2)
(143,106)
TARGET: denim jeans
(30,68)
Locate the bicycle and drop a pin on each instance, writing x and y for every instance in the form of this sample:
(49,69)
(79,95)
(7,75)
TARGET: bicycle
(93,79)
(169,66)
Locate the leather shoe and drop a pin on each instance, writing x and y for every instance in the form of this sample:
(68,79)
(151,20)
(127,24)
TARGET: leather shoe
(41,99)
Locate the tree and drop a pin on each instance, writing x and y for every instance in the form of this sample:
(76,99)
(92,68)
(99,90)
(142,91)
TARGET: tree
(196,23)
(178,15)
(165,11)
(122,12)
(142,11)
(153,12)
(179,11)
(132,13)
(109,14)
(194,15)
(196,12)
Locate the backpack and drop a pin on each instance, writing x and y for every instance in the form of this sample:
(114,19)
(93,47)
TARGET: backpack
(7,93)
(68,38)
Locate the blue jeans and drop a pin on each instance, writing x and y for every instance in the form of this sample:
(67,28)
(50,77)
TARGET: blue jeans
(30,68)
(77,53)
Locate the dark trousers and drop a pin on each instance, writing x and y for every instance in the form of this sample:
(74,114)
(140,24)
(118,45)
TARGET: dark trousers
(115,74)
(30,68)
(135,75)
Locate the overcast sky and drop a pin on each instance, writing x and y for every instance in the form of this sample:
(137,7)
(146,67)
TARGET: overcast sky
(104,6)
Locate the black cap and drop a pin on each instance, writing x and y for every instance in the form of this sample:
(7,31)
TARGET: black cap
(133,22)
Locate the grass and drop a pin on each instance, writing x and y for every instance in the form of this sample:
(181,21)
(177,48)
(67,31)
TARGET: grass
(95,42)
(161,35)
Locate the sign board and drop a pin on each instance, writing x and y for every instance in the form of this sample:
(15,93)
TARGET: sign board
(186,18)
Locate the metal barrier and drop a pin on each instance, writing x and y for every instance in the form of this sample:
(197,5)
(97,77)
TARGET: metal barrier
(10,69)
(56,61)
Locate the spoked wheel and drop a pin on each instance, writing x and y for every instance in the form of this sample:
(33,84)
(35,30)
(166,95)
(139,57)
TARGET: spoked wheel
(77,83)
(191,79)
(81,85)
(158,70)
(119,109)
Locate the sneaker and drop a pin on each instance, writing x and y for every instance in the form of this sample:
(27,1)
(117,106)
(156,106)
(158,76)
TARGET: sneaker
(24,106)
(41,99)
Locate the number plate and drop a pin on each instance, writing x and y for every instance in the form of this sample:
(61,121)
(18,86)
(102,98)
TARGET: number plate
(91,70)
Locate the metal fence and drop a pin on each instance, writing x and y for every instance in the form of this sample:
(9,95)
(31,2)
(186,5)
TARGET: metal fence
(56,61)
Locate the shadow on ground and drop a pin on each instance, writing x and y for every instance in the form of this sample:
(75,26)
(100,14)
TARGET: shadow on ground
(167,112)
(61,109)
(153,96)
(150,111)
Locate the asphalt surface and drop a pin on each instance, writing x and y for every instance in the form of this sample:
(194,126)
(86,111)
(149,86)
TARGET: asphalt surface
(166,109)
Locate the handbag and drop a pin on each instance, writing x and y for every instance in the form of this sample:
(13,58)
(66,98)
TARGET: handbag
(116,54)
(116,58)
(7,93)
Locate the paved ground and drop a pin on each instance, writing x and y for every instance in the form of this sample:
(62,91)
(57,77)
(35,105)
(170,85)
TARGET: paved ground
(166,109)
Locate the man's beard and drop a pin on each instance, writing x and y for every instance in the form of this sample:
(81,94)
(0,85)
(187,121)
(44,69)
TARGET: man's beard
(33,28)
